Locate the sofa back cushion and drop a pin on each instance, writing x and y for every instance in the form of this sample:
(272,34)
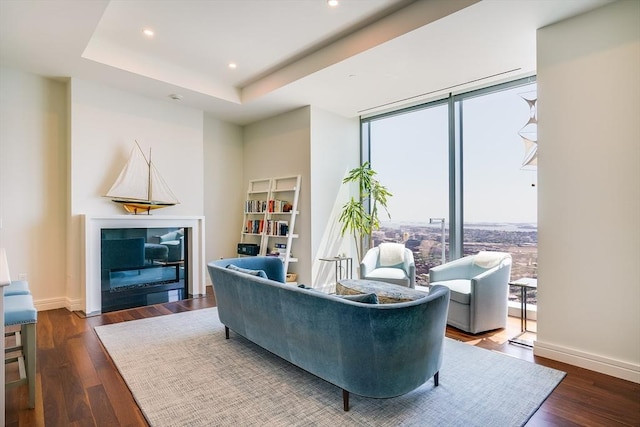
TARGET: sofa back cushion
(258,273)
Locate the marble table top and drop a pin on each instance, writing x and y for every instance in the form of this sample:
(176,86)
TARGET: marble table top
(386,292)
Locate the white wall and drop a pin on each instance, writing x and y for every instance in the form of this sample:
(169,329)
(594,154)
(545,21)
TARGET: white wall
(223,187)
(335,148)
(105,122)
(39,172)
(589,190)
(33,192)
(279,146)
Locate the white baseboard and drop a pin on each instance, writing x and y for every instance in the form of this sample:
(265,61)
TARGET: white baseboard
(514,310)
(75,304)
(616,368)
(50,303)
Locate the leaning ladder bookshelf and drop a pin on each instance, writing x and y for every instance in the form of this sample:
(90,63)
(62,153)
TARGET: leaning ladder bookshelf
(270,213)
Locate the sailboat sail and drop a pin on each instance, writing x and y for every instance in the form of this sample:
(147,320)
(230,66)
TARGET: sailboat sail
(158,189)
(139,187)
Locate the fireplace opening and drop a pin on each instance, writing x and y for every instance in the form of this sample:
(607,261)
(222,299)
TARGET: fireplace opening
(143,266)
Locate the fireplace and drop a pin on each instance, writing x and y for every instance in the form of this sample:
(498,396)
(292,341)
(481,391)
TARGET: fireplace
(140,260)
(142,266)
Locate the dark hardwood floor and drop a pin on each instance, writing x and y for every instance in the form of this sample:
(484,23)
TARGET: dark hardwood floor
(78,385)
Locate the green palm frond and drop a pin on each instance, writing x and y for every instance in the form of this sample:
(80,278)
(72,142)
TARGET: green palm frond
(354,217)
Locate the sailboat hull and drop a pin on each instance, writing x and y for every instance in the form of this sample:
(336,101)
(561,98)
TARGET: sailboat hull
(141,207)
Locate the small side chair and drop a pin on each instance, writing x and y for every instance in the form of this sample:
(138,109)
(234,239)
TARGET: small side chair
(391,263)
(479,287)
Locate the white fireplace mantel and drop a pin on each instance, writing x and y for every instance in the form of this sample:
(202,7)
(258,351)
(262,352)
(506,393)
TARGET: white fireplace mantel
(92,226)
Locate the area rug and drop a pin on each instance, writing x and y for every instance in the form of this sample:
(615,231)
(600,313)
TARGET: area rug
(183,372)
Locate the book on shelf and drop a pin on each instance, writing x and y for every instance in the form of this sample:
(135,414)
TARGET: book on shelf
(279,206)
(255,206)
(277,228)
(254,226)
(278,249)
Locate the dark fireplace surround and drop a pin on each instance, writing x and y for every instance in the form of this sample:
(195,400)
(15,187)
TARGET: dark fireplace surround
(143,266)
(135,260)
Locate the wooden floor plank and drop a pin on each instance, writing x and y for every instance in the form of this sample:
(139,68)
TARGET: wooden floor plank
(78,384)
(81,360)
(101,408)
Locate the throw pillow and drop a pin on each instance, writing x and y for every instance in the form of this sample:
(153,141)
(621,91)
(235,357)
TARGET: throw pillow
(259,273)
(391,254)
(365,298)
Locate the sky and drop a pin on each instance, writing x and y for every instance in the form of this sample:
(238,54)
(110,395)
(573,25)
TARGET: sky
(410,154)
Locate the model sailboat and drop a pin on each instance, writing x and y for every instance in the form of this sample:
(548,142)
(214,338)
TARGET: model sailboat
(139,187)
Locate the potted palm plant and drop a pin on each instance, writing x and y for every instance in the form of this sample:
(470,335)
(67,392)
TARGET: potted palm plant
(356,219)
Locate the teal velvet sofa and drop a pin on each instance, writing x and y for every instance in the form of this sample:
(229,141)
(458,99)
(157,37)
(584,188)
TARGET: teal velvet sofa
(372,350)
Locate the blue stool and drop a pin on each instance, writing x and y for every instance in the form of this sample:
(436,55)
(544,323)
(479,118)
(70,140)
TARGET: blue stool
(17,287)
(19,310)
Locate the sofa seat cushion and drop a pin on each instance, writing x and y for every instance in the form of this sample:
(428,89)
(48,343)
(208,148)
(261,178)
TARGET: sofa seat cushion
(19,309)
(390,275)
(460,289)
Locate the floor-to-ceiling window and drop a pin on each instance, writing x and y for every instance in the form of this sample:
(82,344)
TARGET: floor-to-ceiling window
(499,188)
(409,152)
(468,160)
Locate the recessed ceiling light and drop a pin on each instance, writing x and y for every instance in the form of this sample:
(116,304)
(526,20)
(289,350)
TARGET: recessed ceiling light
(148,32)
(332,3)
(233,65)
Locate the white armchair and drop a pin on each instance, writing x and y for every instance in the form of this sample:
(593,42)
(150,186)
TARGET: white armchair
(479,286)
(391,263)
(174,240)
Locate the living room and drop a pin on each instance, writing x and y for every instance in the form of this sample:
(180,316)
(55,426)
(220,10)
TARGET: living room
(63,141)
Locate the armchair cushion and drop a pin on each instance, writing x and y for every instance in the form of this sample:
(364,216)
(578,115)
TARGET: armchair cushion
(460,290)
(396,274)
